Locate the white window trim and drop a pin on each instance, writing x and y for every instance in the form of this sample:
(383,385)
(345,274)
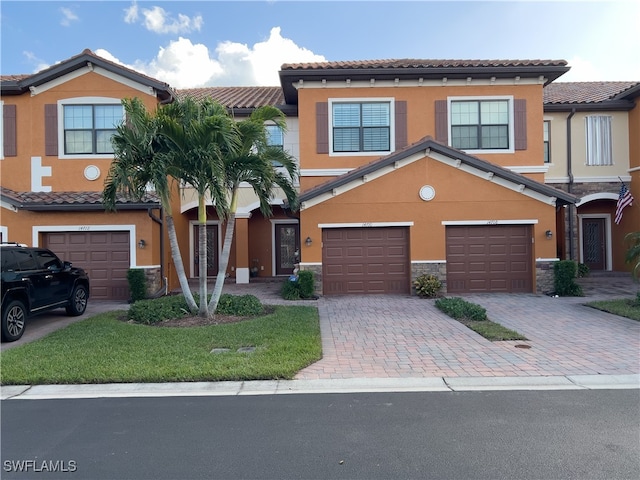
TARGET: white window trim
(81,101)
(512,135)
(392,125)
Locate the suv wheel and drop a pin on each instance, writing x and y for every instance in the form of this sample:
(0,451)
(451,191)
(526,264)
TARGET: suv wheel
(78,303)
(13,318)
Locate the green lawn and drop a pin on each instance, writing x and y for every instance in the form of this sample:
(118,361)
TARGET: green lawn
(623,307)
(104,349)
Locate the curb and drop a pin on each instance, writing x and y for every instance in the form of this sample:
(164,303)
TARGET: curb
(288,387)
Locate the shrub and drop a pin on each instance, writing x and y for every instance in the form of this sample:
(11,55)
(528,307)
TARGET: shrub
(300,286)
(156,310)
(427,285)
(458,308)
(240,305)
(137,284)
(565,272)
(306,284)
(583,270)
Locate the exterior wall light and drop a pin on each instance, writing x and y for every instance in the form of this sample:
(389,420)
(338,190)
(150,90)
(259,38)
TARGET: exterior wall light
(548,234)
(308,241)
(142,243)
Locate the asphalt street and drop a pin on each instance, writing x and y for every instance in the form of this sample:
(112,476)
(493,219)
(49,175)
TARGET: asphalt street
(582,434)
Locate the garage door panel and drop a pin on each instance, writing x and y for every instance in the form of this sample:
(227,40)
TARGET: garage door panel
(489,258)
(371,257)
(104,255)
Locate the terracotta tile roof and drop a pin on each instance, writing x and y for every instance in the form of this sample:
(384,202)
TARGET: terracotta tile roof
(416,63)
(236,97)
(584,92)
(13,78)
(49,200)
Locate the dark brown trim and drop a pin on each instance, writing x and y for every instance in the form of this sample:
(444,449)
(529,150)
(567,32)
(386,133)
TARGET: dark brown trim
(51,130)
(401,124)
(442,122)
(9,135)
(322,127)
(520,123)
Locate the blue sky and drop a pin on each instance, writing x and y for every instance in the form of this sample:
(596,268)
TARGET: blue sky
(210,43)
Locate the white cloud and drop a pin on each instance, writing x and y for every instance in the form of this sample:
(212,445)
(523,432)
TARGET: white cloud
(183,64)
(67,17)
(131,13)
(158,20)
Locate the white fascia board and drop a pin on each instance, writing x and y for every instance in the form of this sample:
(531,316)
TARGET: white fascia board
(324,172)
(529,168)
(365,224)
(489,222)
(444,81)
(56,82)
(8,206)
(608,179)
(520,188)
(358,181)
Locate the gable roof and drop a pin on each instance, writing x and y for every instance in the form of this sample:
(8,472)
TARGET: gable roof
(429,147)
(590,95)
(55,201)
(19,84)
(414,69)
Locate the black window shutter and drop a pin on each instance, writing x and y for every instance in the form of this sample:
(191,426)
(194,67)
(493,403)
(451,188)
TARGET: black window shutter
(442,125)
(322,127)
(520,123)
(9,135)
(51,130)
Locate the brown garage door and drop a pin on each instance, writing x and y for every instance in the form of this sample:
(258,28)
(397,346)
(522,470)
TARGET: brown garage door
(365,260)
(104,255)
(489,258)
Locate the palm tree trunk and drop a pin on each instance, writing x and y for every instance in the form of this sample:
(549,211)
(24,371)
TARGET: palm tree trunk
(202,252)
(177,262)
(224,257)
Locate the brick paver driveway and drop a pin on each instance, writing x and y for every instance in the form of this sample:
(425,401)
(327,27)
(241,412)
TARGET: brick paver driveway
(402,336)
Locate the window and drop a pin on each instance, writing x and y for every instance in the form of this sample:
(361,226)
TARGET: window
(361,126)
(88,128)
(480,124)
(48,260)
(275,136)
(546,129)
(599,150)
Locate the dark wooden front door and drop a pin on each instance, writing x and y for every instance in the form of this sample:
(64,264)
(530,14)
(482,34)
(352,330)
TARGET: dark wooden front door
(286,242)
(212,250)
(594,246)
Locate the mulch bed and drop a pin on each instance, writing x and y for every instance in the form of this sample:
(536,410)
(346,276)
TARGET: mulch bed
(196,321)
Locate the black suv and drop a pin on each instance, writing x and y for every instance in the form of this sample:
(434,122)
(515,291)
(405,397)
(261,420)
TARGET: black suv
(35,280)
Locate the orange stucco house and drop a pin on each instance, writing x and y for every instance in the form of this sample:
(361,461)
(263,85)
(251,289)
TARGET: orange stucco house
(407,167)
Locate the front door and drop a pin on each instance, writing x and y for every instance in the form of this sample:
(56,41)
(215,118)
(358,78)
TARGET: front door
(286,242)
(212,251)
(594,248)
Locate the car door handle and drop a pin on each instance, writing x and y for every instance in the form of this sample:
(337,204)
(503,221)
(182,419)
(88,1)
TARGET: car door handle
(48,276)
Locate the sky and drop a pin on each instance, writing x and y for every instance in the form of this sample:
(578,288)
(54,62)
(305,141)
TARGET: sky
(190,44)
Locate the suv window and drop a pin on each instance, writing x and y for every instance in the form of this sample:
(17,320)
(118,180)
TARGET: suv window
(9,262)
(48,260)
(25,260)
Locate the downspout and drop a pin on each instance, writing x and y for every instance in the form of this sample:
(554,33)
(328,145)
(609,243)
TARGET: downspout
(570,186)
(165,283)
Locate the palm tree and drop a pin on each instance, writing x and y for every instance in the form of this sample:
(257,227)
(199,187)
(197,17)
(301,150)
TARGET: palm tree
(254,163)
(199,134)
(140,160)
(633,253)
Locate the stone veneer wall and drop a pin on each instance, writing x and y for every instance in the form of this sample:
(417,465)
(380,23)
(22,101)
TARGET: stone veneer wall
(429,268)
(545,276)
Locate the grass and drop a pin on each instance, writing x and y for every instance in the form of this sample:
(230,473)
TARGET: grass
(491,330)
(104,349)
(622,307)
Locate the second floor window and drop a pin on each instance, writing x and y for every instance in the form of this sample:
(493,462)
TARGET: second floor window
(275,137)
(546,132)
(598,132)
(361,127)
(480,124)
(88,128)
